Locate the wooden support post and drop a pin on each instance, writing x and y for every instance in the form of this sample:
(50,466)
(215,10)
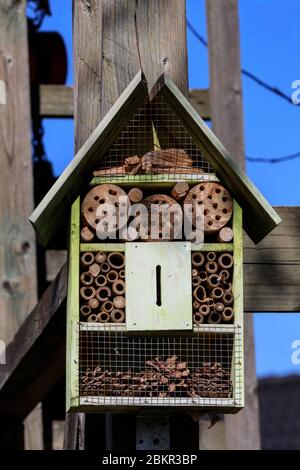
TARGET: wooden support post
(18,291)
(242,430)
(112,42)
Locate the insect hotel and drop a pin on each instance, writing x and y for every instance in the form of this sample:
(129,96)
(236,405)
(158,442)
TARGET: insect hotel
(155,305)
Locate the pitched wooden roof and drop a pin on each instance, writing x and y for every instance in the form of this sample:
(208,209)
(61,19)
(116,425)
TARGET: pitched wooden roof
(259,218)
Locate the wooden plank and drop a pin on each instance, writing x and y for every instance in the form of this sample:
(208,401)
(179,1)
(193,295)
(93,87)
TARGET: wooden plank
(17,242)
(254,205)
(199,99)
(73,301)
(51,213)
(242,430)
(35,357)
(153,273)
(102,247)
(56,101)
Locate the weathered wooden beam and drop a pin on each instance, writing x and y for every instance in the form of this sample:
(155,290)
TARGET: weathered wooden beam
(56,101)
(35,358)
(18,290)
(242,430)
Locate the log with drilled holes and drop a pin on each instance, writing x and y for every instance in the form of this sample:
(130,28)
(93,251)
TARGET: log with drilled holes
(104,196)
(216,202)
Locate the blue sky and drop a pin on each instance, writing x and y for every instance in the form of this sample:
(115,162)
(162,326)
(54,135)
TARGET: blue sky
(270,42)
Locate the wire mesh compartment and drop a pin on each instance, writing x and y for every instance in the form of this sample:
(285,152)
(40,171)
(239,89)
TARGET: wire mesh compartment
(191,370)
(155,142)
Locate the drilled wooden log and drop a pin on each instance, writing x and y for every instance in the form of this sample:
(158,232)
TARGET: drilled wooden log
(216,202)
(99,196)
(164,226)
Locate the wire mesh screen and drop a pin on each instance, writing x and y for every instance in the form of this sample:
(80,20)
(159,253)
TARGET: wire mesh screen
(197,369)
(154,142)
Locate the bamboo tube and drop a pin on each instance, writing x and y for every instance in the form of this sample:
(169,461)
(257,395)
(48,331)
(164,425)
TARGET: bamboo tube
(87,259)
(85,310)
(197,259)
(214,317)
(203,276)
(217,293)
(219,307)
(122,273)
(103,293)
(101,280)
(211,256)
(211,267)
(94,269)
(93,303)
(225,261)
(196,281)
(86,235)
(119,302)
(104,267)
(199,293)
(204,309)
(228,298)
(228,287)
(116,260)
(86,278)
(208,301)
(198,318)
(196,304)
(112,276)
(227,314)
(118,287)
(117,316)
(87,292)
(194,272)
(103,317)
(212,281)
(225,235)
(92,318)
(135,195)
(224,274)
(100,257)
(107,306)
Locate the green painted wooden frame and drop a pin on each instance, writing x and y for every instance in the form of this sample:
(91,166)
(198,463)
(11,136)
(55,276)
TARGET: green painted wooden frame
(73,401)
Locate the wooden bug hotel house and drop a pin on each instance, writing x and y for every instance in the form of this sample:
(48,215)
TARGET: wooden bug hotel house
(155,305)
